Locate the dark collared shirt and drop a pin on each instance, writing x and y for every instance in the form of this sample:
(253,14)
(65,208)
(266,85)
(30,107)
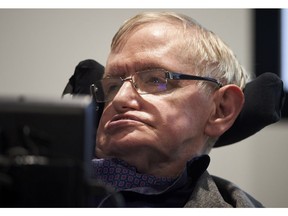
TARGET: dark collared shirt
(157,192)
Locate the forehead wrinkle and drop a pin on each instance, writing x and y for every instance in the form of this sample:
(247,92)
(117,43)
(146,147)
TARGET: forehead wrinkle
(140,61)
(161,44)
(162,33)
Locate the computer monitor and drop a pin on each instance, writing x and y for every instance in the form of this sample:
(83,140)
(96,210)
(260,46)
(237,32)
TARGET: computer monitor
(46,147)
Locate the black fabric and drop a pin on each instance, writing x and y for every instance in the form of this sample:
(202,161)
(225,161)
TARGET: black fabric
(85,74)
(264,98)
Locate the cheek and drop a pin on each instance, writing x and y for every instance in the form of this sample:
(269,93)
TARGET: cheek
(185,116)
(178,123)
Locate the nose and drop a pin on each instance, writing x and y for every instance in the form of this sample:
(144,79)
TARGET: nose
(127,98)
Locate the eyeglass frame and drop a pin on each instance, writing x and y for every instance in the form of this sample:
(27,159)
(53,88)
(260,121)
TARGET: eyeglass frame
(169,75)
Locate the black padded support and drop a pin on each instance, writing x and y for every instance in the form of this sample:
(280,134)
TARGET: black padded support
(264,98)
(85,74)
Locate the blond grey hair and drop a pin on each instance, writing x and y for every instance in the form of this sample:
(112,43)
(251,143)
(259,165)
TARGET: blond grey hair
(203,49)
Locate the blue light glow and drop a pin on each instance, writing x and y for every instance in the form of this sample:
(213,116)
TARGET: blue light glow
(284,47)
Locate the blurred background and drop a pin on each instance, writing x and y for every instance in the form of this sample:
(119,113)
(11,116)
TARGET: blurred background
(40,48)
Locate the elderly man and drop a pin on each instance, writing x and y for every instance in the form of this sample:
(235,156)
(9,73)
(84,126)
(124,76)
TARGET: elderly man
(170,89)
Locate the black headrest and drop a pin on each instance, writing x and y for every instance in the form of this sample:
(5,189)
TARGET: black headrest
(85,74)
(264,98)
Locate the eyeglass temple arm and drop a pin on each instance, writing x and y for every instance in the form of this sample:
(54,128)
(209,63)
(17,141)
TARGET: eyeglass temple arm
(178,76)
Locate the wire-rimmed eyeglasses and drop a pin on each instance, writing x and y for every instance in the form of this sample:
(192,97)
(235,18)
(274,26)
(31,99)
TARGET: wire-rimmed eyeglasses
(145,82)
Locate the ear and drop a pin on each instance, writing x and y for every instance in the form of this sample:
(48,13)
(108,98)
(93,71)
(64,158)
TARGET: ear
(228,102)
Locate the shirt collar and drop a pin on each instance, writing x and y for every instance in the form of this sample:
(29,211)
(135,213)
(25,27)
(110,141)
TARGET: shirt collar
(123,177)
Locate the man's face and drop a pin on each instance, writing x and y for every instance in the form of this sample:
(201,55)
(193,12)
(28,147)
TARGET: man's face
(153,131)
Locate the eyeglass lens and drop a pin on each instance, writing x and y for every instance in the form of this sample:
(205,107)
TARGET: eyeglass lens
(143,81)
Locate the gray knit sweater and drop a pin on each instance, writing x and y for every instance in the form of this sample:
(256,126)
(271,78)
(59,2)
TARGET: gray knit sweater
(214,192)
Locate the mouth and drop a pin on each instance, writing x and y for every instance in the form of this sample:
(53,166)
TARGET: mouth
(125,117)
(119,122)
